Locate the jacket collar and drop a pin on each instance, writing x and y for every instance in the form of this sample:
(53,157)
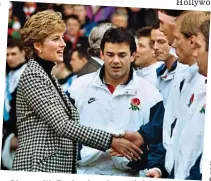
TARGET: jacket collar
(102,74)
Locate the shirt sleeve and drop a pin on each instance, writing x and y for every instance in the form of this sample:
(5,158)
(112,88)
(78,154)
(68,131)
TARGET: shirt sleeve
(152,131)
(195,172)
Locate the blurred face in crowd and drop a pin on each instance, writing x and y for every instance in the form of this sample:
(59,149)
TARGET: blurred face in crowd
(76,62)
(117,59)
(67,9)
(145,54)
(58,69)
(159,42)
(182,45)
(52,47)
(167,26)
(201,54)
(80,11)
(119,20)
(15,56)
(73,27)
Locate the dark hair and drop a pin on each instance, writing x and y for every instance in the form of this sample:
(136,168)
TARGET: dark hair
(12,43)
(156,24)
(119,35)
(67,58)
(145,32)
(170,12)
(205,29)
(82,53)
(72,16)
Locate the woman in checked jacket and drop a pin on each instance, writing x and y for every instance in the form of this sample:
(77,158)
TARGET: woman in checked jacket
(47,122)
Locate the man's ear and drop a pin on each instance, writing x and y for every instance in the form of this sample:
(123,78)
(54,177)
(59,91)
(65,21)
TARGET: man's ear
(23,53)
(84,60)
(193,41)
(133,57)
(37,46)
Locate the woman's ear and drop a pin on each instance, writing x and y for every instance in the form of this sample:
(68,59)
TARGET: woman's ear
(37,47)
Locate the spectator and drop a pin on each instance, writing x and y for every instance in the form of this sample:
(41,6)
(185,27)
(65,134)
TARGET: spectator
(82,63)
(63,72)
(73,37)
(95,38)
(120,18)
(85,24)
(29,8)
(16,62)
(13,24)
(99,14)
(67,10)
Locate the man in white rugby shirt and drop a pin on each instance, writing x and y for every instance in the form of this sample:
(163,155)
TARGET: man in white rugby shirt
(145,59)
(115,99)
(202,46)
(184,117)
(167,74)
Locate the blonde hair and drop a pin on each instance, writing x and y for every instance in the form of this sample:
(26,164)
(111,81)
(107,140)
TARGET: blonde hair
(38,27)
(191,22)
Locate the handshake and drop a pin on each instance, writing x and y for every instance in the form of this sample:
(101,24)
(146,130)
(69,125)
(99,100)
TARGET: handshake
(126,144)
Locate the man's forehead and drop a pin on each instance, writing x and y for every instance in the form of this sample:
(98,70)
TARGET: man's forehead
(112,45)
(13,49)
(166,18)
(143,39)
(157,34)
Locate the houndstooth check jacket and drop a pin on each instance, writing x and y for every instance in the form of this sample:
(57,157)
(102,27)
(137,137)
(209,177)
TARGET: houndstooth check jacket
(48,131)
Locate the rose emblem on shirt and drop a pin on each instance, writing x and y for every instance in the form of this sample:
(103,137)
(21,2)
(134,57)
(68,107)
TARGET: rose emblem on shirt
(164,77)
(191,100)
(203,109)
(135,102)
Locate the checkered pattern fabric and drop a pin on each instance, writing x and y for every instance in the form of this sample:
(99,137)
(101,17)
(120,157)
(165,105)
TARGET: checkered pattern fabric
(48,131)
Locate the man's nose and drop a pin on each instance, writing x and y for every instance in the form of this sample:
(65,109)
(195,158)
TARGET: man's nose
(116,59)
(174,44)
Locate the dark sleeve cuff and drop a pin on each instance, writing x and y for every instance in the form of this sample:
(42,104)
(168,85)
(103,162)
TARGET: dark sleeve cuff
(142,133)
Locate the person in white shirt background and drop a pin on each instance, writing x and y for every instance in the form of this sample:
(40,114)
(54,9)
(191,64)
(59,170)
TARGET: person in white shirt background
(145,59)
(114,99)
(16,62)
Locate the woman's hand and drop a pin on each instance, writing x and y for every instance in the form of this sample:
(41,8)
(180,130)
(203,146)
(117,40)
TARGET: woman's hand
(123,147)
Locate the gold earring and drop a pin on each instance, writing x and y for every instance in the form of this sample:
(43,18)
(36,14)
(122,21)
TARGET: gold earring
(40,51)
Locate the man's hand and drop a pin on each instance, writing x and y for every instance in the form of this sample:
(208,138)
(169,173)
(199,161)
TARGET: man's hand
(125,148)
(13,143)
(134,137)
(153,173)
